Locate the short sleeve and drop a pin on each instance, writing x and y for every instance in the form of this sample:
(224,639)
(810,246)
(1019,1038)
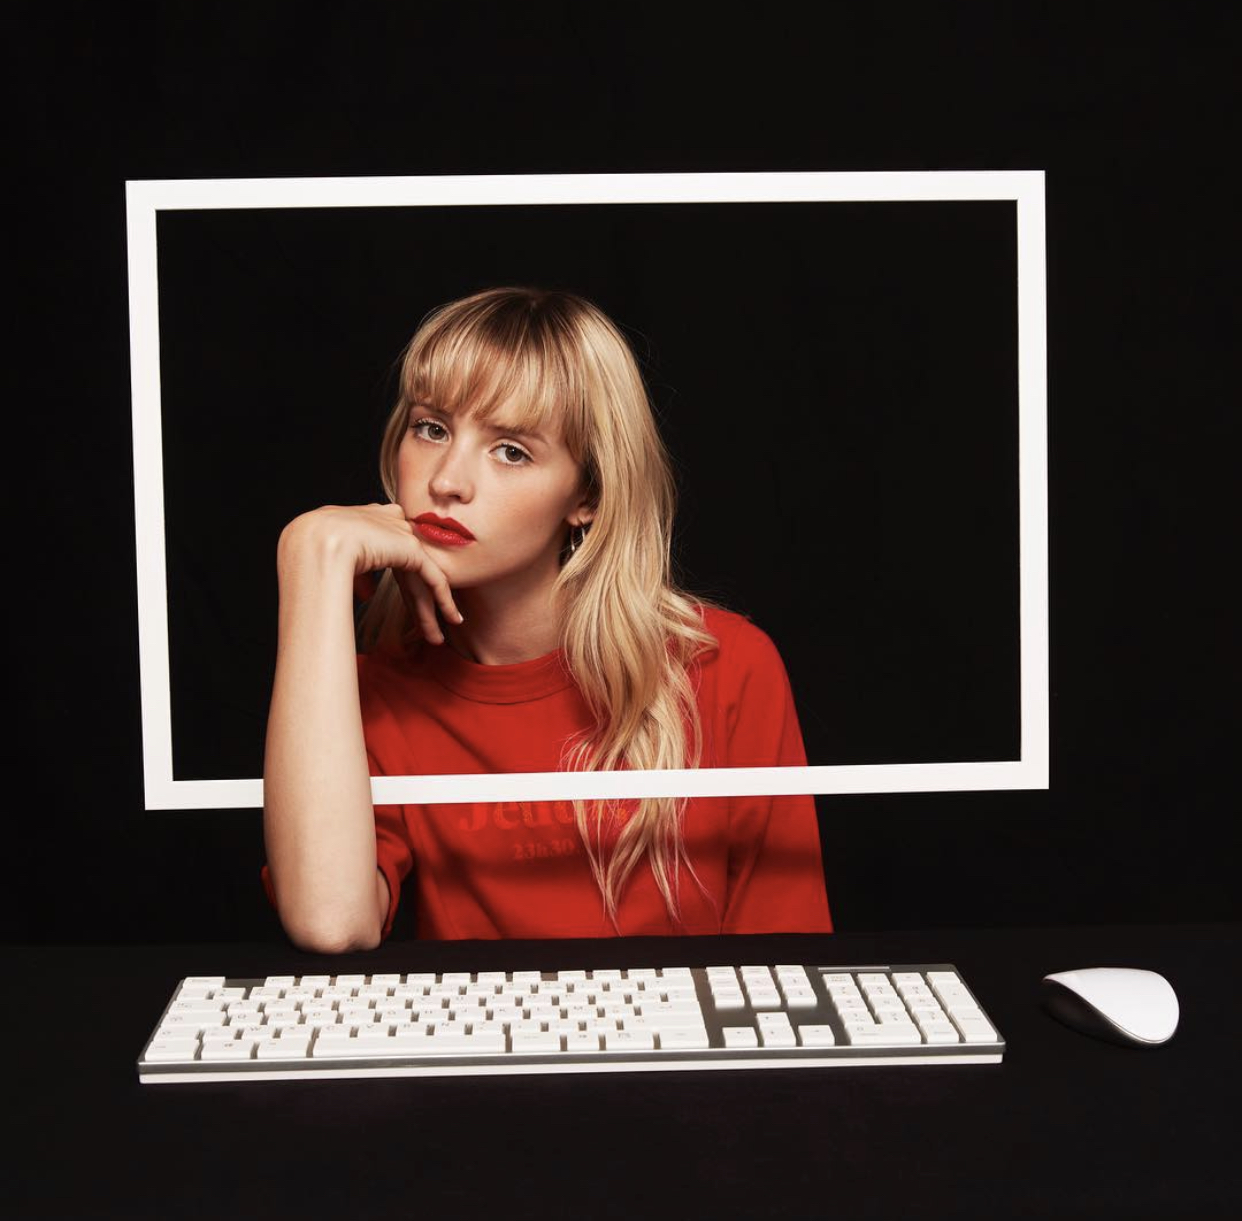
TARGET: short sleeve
(393,857)
(776,871)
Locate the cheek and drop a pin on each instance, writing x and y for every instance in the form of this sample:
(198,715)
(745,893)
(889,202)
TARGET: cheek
(540,510)
(407,468)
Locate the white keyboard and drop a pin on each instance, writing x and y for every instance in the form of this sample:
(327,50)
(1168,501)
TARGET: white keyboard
(287,1027)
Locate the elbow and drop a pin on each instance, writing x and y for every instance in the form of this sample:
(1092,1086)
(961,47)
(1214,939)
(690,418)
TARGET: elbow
(333,939)
(335,926)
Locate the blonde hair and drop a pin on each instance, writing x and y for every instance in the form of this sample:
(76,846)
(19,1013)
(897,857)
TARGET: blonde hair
(628,635)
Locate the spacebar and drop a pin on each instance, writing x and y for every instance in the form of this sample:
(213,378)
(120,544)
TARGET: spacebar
(403,1048)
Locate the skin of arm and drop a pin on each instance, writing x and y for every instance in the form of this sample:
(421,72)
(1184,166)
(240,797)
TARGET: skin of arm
(318,819)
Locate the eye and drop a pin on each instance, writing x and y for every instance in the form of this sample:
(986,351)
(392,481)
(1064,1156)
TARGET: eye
(426,429)
(507,453)
(512,455)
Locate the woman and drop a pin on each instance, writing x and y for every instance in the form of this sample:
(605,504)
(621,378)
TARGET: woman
(525,621)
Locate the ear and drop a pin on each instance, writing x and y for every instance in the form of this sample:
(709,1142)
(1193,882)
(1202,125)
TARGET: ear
(583,512)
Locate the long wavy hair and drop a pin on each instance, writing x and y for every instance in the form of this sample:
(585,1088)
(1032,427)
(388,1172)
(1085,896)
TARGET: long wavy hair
(628,635)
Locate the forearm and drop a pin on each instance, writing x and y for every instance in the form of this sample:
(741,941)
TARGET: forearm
(318,820)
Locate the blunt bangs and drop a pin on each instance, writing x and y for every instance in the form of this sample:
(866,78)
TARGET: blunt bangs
(509,364)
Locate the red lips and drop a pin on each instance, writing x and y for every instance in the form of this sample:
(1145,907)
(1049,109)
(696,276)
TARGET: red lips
(442,530)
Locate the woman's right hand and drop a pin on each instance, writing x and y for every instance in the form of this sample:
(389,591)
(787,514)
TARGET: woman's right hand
(371,537)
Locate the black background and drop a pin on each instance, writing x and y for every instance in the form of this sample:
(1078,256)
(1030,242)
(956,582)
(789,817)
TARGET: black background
(1120,106)
(837,384)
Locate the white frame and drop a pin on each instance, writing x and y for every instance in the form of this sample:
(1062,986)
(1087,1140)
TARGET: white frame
(145,199)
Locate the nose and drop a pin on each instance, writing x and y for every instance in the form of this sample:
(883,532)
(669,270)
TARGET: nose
(451,478)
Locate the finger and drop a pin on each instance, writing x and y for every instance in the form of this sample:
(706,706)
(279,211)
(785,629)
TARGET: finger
(435,580)
(427,617)
(419,604)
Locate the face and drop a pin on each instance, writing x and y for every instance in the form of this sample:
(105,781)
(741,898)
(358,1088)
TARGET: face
(489,503)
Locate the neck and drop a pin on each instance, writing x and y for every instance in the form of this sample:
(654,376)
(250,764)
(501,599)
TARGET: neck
(507,623)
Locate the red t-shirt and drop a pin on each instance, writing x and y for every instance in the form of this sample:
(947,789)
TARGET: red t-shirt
(518,868)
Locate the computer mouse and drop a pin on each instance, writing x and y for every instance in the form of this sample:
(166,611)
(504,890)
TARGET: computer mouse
(1122,1004)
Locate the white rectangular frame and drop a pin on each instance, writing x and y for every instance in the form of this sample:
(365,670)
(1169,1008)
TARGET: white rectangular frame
(146,199)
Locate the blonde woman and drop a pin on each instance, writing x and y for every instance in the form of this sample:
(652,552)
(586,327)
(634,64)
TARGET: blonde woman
(525,621)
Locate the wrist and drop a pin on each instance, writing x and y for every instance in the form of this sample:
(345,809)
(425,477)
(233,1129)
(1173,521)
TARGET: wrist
(309,545)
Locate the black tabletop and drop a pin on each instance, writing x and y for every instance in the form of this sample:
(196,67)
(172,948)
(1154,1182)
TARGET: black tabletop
(1066,1126)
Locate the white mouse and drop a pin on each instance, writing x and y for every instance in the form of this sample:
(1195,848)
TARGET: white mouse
(1122,1004)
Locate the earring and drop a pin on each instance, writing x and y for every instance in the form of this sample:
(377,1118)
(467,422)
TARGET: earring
(576,535)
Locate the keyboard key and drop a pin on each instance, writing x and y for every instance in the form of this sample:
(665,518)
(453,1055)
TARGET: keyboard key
(197,1006)
(629,1040)
(889,1035)
(848,1005)
(974,1030)
(352,1049)
(172,1049)
(764,999)
(231,1049)
(689,1020)
(683,974)
(284,1049)
(776,1031)
(192,1024)
(770,1021)
(816,1036)
(331,1042)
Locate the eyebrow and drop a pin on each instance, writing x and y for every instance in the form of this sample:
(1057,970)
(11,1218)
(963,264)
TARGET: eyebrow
(496,429)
